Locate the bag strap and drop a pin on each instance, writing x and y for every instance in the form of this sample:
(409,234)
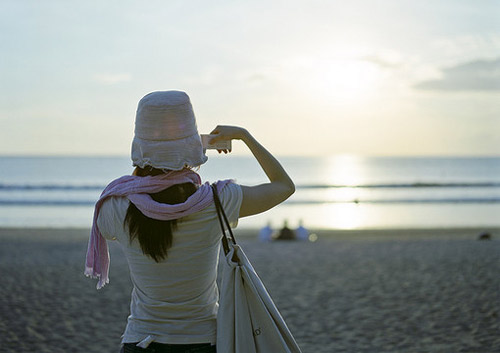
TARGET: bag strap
(223,220)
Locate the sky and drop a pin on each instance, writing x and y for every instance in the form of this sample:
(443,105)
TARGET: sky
(305,77)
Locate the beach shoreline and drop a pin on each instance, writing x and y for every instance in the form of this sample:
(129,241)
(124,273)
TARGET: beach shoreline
(78,233)
(393,290)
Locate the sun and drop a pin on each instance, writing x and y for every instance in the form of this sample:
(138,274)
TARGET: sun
(345,81)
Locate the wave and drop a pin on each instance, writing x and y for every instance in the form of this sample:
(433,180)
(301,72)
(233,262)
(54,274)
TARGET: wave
(50,187)
(450,200)
(46,203)
(471,200)
(100,187)
(403,185)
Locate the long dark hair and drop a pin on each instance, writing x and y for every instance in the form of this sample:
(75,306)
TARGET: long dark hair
(155,236)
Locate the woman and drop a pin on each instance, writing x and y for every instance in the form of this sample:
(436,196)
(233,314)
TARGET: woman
(166,223)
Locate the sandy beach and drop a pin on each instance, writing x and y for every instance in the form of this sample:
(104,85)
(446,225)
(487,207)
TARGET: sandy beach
(350,291)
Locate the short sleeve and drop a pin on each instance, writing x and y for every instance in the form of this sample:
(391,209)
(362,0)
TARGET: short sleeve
(111,216)
(231,197)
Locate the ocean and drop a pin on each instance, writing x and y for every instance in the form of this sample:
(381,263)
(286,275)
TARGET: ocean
(338,192)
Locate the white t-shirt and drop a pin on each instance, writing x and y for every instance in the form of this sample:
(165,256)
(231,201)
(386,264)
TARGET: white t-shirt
(174,301)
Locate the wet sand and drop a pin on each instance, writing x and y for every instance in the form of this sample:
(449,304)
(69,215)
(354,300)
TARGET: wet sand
(350,291)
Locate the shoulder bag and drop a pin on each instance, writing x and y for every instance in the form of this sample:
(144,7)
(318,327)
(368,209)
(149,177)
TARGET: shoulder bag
(247,320)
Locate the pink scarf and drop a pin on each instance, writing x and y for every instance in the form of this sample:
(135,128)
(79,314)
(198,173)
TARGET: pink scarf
(137,190)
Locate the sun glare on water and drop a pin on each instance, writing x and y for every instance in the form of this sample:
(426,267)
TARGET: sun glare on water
(346,172)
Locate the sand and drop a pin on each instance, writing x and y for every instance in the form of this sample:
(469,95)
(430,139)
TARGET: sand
(350,291)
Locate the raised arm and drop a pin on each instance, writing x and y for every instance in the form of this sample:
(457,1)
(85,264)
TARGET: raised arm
(260,198)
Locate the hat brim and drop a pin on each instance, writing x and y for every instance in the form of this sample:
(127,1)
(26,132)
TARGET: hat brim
(170,154)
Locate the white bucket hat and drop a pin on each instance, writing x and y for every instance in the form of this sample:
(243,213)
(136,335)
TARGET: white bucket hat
(166,136)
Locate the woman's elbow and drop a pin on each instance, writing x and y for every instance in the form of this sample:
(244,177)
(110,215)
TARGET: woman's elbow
(290,189)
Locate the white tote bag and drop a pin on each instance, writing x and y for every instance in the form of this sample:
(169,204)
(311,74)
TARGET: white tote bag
(247,320)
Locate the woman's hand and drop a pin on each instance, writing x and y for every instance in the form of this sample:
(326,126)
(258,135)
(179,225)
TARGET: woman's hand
(228,133)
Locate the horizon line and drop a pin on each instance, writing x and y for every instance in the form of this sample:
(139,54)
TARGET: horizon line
(333,155)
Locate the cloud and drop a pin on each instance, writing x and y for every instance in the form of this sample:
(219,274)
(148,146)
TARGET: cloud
(111,79)
(467,47)
(385,59)
(478,75)
(256,77)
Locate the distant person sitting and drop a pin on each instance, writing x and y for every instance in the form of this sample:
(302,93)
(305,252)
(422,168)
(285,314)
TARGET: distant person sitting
(301,232)
(266,233)
(484,236)
(286,233)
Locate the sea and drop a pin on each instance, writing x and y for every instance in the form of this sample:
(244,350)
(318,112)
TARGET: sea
(336,192)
